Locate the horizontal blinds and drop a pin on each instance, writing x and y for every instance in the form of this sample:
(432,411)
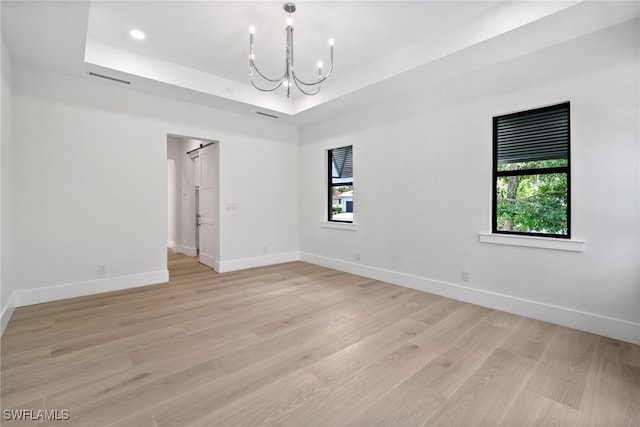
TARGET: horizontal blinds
(541,134)
(343,162)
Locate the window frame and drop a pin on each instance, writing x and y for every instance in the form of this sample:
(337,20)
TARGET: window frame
(528,172)
(330,185)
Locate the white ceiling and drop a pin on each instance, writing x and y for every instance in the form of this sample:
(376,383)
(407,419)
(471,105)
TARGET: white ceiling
(198,50)
(213,36)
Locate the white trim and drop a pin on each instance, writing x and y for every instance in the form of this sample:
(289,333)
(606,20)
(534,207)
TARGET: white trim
(534,242)
(187,250)
(7,312)
(208,260)
(339,225)
(590,322)
(259,261)
(171,245)
(79,289)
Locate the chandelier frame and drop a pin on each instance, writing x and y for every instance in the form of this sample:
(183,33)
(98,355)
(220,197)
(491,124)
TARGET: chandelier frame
(289,77)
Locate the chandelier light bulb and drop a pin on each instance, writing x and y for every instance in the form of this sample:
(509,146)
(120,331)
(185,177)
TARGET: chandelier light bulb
(252,30)
(289,21)
(331,42)
(320,64)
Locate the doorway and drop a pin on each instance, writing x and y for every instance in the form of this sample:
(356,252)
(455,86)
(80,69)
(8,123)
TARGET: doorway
(194,189)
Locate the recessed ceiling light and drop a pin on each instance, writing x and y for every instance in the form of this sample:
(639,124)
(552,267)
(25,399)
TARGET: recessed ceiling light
(137,34)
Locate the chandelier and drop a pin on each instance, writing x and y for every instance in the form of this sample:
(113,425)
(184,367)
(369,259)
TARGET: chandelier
(289,77)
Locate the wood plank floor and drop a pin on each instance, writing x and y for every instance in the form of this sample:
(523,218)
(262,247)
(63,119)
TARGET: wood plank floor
(301,345)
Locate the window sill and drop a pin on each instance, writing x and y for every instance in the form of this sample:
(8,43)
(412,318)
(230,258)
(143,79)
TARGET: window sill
(534,242)
(339,225)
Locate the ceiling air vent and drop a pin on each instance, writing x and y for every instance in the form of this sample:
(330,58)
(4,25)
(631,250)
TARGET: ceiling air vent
(91,73)
(266,114)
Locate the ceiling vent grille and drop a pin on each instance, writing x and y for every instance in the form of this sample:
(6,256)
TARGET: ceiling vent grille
(102,76)
(266,114)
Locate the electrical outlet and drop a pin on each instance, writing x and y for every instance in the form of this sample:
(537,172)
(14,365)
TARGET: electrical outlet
(102,269)
(466,276)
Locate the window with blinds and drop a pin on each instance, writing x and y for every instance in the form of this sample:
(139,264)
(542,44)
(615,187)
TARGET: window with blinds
(340,188)
(531,172)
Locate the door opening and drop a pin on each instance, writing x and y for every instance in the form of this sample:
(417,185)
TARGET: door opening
(194,218)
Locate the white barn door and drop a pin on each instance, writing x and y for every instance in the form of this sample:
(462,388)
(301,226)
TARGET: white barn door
(208,205)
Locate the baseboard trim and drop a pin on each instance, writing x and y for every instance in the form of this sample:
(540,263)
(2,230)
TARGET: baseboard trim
(607,326)
(7,312)
(90,287)
(186,250)
(261,261)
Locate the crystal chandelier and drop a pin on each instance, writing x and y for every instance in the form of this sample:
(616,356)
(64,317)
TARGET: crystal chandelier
(289,77)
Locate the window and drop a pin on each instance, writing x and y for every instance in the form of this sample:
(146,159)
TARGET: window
(340,191)
(531,172)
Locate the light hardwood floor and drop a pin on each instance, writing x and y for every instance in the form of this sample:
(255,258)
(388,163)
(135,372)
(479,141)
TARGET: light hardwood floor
(301,345)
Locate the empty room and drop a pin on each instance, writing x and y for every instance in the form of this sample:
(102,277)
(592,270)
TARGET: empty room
(320,213)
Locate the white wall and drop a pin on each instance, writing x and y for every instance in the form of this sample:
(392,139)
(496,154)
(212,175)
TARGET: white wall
(91,184)
(6,188)
(174,149)
(262,222)
(432,149)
